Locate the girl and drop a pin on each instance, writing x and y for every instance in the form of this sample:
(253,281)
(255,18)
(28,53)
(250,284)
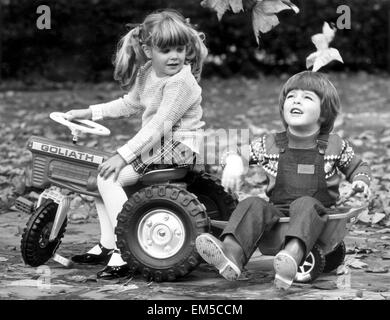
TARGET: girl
(159,62)
(303,166)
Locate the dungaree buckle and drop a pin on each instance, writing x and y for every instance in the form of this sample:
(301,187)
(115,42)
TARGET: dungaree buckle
(321,150)
(322,144)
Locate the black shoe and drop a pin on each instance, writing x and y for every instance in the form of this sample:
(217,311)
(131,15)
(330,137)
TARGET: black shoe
(89,258)
(114,272)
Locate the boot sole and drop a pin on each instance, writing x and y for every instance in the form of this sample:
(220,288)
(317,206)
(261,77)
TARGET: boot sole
(285,270)
(210,249)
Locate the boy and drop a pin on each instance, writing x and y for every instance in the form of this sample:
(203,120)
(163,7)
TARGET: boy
(302,166)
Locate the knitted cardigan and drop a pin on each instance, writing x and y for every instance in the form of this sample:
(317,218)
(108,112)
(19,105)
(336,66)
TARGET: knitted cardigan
(169,105)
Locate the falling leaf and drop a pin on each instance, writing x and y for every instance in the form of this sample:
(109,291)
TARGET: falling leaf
(262,22)
(263,11)
(220,6)
(236,5)
(324,54)
(264,14)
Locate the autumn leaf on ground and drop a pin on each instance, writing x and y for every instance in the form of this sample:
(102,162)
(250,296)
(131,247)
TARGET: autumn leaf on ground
(342,269)
(355,263)
(325,285)
(386,255)
(324,54)
(365,217)
(377,217)
(377,269)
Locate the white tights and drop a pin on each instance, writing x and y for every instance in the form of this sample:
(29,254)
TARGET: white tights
(109,206)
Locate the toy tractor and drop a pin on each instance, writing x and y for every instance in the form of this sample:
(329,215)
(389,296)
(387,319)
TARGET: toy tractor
(157,227)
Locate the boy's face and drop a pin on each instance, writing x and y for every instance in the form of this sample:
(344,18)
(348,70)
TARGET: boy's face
(302,110)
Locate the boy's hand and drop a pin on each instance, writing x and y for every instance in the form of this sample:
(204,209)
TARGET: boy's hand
(113,165)
(359,186)
(233,172)
(79,114)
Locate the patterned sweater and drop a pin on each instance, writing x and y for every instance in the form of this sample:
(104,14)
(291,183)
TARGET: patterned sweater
(339,158)
(169,105)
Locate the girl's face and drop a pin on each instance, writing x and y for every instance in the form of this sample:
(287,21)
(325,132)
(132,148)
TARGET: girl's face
(302,110)
(167,61)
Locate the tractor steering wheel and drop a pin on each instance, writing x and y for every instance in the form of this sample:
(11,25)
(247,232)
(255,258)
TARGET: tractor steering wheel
(80,125)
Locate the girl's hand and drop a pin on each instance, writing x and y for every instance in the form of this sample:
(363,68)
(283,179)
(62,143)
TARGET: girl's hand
(79,114)
(233,173)
(360,186)
(113,165)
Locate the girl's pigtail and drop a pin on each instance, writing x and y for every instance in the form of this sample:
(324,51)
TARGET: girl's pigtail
(197,53)
(129,58)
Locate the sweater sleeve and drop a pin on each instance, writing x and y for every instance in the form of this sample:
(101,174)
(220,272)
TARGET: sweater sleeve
(126,106)
(252,153)
(352,166)
(257,151)
(177,99)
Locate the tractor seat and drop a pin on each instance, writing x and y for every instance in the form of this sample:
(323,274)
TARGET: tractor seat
(164,175)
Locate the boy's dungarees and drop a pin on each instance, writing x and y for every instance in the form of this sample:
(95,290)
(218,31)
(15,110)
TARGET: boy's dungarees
(300,191)
(300,173)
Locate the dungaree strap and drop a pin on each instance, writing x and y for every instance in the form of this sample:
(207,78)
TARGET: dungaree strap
(322,143)
(281,141)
